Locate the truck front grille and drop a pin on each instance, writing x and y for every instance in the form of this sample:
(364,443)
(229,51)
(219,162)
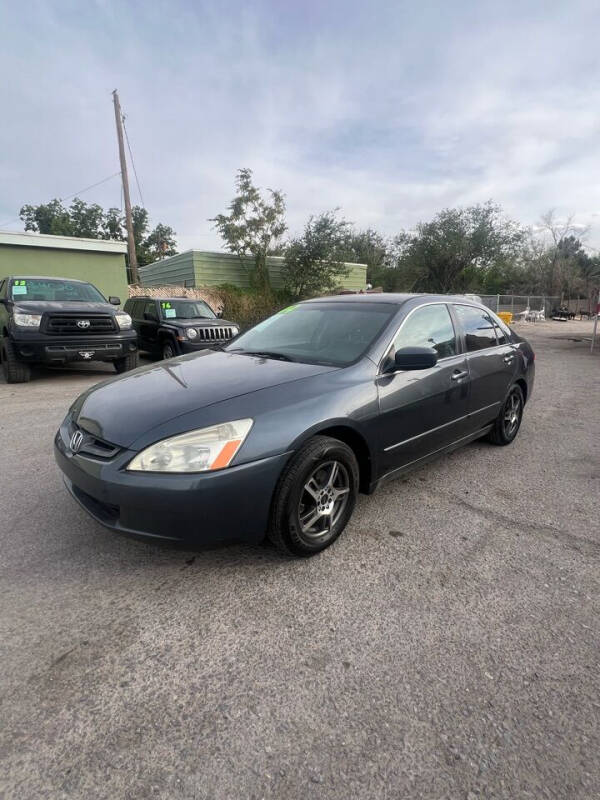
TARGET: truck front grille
(216,334)
(80,324)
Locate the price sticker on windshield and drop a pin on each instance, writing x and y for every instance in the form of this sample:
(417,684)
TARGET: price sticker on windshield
(19,287)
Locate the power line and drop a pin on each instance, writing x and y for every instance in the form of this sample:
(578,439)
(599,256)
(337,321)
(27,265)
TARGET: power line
(69,197)
(87,188)
(133,162)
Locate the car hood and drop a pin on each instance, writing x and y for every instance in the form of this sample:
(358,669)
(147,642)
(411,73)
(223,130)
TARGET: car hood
(123,409)
(199,322)
(41,306)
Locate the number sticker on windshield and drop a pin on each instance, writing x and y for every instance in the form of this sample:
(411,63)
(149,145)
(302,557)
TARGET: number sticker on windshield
(165,304)
(19,287)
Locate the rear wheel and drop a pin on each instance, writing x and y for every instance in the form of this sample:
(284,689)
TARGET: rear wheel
(508,421)
(15,371)
(315,497)
(126,363)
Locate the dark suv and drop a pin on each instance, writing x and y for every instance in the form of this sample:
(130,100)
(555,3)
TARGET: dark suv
(169,326)
(58,320)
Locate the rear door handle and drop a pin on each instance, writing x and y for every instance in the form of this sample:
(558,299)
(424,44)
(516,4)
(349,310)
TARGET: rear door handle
(456,376)
(509,359)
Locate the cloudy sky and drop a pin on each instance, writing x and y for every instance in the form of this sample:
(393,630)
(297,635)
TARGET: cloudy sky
(388,109)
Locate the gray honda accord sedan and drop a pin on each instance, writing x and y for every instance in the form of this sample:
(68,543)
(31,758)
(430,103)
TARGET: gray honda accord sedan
(276,433)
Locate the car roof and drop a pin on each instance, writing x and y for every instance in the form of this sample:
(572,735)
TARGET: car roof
(391,298)
(166,299)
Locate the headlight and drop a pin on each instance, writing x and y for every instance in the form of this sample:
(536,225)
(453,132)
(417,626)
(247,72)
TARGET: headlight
(24,320)
(234,331)
(197,451)
(192,333)
(123,320)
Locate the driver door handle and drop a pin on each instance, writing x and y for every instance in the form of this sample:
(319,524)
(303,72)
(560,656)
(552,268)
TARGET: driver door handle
(456,376)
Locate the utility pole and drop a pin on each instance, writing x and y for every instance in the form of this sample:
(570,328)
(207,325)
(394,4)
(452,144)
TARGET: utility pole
(133,265)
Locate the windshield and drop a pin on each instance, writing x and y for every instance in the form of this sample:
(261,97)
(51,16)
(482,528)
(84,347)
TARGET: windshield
(317,333)
(186,309)
(49,289)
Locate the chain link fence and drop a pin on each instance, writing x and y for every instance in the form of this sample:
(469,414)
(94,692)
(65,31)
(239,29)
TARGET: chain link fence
(517,304)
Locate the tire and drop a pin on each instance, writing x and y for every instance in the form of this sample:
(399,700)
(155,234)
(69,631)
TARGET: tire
(306,492)
(126,363)
(15,371)
(168,350)
(507,424)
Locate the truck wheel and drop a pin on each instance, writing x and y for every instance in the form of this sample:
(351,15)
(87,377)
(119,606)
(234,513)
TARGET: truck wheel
(15,371)
(126,363)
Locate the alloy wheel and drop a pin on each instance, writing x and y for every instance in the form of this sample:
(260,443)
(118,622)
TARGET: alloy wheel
(323,500)
(512,415)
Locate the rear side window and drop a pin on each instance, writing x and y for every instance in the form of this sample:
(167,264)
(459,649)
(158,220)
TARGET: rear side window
(150,309)
(477,326)
(429,326)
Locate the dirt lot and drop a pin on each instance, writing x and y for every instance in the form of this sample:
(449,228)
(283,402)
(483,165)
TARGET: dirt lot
(445,647)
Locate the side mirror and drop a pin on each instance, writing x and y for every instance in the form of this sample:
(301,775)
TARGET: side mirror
(219,314)
(415,358)
(114,301)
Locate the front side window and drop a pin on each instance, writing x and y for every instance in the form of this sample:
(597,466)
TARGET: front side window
(186,309)
(478,327)
(336,334)
(429,326)
(49,289)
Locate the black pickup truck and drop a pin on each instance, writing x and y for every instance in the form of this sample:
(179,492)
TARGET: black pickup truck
(170,326)
(59,320)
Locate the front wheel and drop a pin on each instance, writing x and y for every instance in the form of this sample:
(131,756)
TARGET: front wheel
(126,363)
(509,419)
(15,371)
(168,350)
(315,497)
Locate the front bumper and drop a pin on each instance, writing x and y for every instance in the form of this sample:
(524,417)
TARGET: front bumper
(203,508)
(41,349)
(191,346)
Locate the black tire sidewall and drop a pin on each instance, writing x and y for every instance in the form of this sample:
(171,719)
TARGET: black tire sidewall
(309,458)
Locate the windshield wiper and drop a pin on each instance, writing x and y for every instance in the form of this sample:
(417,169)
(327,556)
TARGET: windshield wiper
(261,354)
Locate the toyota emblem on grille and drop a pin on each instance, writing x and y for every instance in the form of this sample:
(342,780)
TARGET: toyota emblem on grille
(76,441)
(83,323)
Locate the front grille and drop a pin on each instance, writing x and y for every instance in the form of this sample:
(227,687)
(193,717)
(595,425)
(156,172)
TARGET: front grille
(92,445)
(75,324)
(216,334)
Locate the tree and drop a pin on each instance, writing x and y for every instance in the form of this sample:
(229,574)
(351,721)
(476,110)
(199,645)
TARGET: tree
(314,261)
(89,220)
(457,250)
(371,248)
(253,225)
(160,243)
(52,218)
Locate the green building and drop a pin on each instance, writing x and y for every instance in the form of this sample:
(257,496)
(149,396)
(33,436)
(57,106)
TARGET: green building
(99,261)
(205,268)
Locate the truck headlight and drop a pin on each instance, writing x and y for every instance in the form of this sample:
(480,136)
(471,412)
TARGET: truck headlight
(192,333)
(24,320)
(123,320)
(234,331)
(202,450)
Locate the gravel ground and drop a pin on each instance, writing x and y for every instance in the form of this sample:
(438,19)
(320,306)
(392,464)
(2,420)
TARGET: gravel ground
(445,647)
